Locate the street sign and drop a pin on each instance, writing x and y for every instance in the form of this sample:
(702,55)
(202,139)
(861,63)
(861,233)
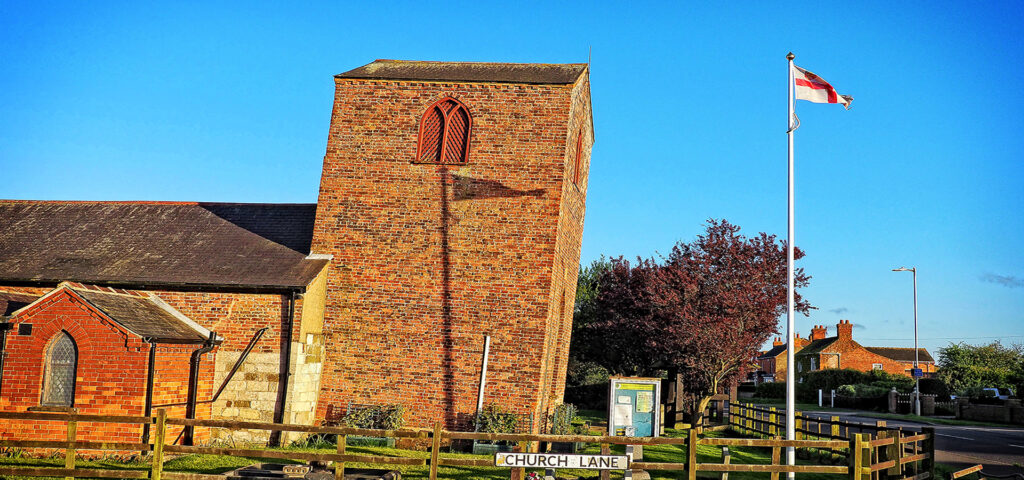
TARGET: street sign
(560,460)
(916,372)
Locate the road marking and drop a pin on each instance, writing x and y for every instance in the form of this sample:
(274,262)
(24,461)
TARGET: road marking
(953,436)
(1018,446)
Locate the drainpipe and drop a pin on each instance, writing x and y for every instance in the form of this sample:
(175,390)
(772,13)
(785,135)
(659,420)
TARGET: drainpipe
(285,371)
(4,327)
(150,375)
(193,385)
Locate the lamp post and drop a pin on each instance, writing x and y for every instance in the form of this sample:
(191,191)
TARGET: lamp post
(917,379)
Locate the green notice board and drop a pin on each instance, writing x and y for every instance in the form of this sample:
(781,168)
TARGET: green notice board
(633,407)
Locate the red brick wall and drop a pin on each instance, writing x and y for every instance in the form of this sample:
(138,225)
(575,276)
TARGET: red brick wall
(398,330)
(234,316)
(110,375)
(170,385)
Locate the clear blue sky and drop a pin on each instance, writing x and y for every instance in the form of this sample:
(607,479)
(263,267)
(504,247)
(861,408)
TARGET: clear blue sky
(231,102)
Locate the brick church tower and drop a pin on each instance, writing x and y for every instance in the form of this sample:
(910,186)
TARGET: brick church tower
(452,201)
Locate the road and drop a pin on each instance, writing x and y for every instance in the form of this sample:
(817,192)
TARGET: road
(997,448)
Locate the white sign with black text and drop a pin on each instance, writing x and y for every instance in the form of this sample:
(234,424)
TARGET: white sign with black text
(559,460)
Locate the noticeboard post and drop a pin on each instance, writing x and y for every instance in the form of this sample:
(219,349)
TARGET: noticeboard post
(633,406)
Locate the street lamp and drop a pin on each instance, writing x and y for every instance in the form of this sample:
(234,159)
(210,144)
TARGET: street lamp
(917,379)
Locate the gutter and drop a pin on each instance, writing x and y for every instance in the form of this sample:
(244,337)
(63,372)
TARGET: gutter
(285,370)
(182,286)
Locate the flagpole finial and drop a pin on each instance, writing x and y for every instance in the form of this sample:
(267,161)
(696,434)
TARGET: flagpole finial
(790,56)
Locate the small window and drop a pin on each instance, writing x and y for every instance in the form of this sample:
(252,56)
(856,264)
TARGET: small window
(800,367)
(578,166)
(814,364)
(876,366)
(59,376)
(444,133)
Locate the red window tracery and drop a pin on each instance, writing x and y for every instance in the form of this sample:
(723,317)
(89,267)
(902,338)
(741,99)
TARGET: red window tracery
(444,133)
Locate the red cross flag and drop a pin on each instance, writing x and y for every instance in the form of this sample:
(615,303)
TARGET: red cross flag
(815,89)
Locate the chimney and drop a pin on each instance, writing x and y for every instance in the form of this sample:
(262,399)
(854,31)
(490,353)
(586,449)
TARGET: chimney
(844,329)
(819,332)
(800,342)
(777,342)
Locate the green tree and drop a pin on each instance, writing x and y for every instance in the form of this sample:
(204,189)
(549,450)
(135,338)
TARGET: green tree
(964,366)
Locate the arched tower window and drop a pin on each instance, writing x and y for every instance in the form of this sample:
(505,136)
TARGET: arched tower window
(444,133)
(59,376)
(579,158)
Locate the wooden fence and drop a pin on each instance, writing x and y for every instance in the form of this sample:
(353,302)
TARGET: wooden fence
(894,451)
(860,465)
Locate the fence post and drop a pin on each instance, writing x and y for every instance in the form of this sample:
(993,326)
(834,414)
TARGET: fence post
(882,454)
(835,426)
(69,452)
(725,461)
(517,473)
(856,456)
(773,418)
(605,474)
(339,466)
(435,450)
(158,445)
(929,449)
(691,455)
(776,460)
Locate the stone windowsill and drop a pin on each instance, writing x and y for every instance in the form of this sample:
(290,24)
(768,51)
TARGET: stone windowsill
(46,408)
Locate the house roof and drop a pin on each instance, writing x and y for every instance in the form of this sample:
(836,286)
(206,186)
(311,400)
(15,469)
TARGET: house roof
(9,302)
(901,354)
(817,346)
(533,73)
(775,351)
(158,244)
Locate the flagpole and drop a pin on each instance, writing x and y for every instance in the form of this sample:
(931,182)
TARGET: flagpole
(790,320)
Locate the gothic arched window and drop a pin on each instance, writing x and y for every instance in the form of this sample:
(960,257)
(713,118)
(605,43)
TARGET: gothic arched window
(59,376)
(444,133)
(579,159)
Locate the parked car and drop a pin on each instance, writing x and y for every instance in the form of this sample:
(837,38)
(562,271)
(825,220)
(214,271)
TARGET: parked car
(1000,393)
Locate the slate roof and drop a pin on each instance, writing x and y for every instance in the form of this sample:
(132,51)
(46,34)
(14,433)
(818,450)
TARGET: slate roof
(151,244)
(145,316)
(774,352)
(532,73)
(817,346)
(901,354)
(9,302)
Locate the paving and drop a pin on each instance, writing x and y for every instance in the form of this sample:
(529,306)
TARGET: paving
(999,449)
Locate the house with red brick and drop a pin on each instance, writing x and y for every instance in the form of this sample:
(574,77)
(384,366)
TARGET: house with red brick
(450,210)
(772,363)
(842,351)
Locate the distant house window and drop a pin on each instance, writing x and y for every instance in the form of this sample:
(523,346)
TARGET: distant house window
(814,364)
(59,374)
(876,366)
(799,367)
(578,165)
(444,133)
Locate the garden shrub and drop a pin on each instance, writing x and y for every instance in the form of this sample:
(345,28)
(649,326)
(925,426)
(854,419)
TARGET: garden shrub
(565,421)
(379,417)
(771,390)
(495,419)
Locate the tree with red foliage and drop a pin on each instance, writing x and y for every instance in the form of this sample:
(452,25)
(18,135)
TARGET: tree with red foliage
(702,312)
